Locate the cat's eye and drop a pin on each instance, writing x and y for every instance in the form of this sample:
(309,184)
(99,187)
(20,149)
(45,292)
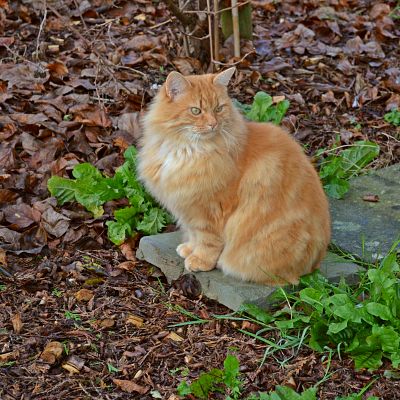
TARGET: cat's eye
(219,109)
(195,110)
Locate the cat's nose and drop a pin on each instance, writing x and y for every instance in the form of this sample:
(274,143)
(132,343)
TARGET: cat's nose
(212,124)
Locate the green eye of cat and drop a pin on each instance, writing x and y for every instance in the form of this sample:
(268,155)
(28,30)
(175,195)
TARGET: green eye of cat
(219,109)
(195,110)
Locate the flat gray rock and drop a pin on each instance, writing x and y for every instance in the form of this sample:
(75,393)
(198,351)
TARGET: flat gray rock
(159,250)
(368,229)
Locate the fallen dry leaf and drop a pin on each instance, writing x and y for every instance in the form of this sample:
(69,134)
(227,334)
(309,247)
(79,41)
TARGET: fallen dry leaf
(372,198)
(130,387)
(7,356)
(134,320)
(175,337)
(3,258)
(17,323)
(73,365)
(127,265)
(52,352)
(21,215)
(84,295)
(107,323)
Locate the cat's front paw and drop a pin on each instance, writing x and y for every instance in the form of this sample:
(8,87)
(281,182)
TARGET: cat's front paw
(184,250)
(194,263)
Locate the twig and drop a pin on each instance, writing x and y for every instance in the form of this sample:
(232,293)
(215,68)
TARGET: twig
(209,31)
(216,31)
(160,24)
(235,25)
(219,11)
(5,272)
(80,15)
(105,62)
(185,19)
(235,63)
(41,29)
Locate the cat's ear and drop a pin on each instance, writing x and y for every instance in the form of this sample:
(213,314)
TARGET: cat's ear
(176,84)
(224,77)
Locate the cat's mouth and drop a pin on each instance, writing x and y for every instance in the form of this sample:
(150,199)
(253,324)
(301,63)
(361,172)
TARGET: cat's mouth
(203,134)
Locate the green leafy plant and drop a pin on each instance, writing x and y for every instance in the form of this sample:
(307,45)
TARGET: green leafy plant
(224,380)
(112,369)
(337,167)
(2,287)
(92,189)
(363,322)
(395,14)
(227,382)
(393,117)
(72,316)
(263,110)
(285,393)
(57,292)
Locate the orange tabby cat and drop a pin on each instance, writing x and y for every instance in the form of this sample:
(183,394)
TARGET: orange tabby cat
(246,196)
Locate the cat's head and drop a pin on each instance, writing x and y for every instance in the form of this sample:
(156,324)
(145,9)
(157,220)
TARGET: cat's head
(196,106)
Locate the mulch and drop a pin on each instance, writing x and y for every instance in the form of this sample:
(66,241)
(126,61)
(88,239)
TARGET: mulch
(74,79)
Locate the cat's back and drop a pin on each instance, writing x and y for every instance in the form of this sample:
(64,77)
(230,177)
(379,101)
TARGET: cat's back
(274,159)
(265,139)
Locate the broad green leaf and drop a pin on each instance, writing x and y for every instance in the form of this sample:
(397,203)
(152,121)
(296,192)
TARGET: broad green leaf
(256,312)
(206,383)
(87,171)
(123,227)
(389,264)
(336,169)
(358,156)
(91,201)
(368,359)
(318,336)
(130,155)
(393,117)
(313,297)
(296,322)
(62,189)
(183,389)
(335,327)
(395,358)
(286,393)
(343,307)
(379,310)
(152,222)
(262,101)
(231,370)
(384,337)
(281,109)
(336,188)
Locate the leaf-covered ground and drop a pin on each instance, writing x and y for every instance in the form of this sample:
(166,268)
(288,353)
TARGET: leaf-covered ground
(74,77)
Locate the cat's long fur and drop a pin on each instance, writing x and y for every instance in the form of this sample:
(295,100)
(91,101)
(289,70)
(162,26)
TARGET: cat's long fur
(244,193)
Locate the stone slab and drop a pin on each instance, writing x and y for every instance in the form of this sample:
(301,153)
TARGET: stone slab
(363,228)
(159,250)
